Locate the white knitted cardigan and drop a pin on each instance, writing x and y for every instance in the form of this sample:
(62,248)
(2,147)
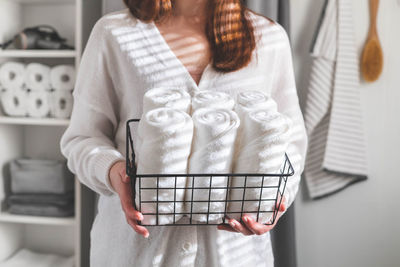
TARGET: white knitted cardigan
(124,58)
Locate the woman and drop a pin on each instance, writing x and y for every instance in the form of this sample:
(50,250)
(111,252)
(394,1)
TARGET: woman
(193,44)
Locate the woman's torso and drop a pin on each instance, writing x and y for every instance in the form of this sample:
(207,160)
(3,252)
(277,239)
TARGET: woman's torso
(140,58)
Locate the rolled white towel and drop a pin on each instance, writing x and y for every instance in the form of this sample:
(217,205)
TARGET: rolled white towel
(212,99)
(166,97)
(212,152)
(253,100)
(246,102)
(61,103)
(12,75)
(37,104)
(37,77)
(165,149)
(266,137)
(13,103)
(62,77)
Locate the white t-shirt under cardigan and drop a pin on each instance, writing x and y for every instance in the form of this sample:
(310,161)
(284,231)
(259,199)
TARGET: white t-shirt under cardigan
(124,58)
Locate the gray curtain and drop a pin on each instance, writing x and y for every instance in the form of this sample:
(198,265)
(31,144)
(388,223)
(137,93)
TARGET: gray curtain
(283,236)
(112,5)
(278,10)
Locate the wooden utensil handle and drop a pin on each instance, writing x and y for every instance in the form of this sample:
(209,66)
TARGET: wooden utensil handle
(374,5)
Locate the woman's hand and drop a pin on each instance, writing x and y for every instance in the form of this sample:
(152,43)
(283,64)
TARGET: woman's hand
(121,184)
(250,226)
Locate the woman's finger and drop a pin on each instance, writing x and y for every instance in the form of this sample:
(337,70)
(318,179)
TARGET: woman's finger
(122,170)
(132,213)
(126,200)
(120,183)
(239,227)
(133,216)
(141,230)
(226,227)
(255,227)
(282,206)
(129,210)
(125,179)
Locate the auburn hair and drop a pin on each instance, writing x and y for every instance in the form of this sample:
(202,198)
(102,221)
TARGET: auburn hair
(229,32)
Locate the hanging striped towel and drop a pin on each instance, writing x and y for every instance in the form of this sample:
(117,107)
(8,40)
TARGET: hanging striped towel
(336,156)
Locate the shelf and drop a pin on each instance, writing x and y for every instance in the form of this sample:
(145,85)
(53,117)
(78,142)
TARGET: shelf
(25,219)
(37,53)
(40,137)
(33,121)
(44,1)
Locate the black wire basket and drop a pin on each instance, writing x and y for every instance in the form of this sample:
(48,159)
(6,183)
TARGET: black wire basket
(267,191)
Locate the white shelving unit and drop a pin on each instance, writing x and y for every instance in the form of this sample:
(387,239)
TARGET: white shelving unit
(33,121)
(39,138)
(11,218)
(38,54)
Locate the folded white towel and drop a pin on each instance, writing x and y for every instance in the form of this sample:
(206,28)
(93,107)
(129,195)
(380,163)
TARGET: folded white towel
(166,142)
(25,257)
(12,75)
(166,97)
(266,137)
(37,104)
(212,152)
(212,99)
(62,77)
(37,77)
(13,103)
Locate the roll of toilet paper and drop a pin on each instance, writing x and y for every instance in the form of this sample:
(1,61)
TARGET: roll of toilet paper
(12,75)
(21,89)
(37,104)
(61,103)
(62,77)
(14,103)
(37,77)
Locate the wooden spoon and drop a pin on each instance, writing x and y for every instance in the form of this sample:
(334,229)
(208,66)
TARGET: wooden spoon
(372,56)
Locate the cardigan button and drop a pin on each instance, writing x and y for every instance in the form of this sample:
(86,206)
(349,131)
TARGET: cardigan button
(187,247)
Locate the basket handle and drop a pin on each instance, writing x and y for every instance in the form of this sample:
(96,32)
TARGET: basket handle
(130,160)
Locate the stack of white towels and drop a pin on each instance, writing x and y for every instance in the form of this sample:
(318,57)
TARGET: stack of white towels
(36,90)
(209,133)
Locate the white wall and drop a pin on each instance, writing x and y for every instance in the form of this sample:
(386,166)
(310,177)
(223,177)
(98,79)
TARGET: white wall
(9,17)
(359,226)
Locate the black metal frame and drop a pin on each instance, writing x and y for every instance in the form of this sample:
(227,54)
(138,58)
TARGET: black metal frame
(285,172)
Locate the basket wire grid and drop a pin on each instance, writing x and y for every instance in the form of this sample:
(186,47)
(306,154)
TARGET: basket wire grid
(139,188)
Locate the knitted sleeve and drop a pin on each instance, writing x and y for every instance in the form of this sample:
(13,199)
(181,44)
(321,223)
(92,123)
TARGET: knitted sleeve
(285,94)
(88,142)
